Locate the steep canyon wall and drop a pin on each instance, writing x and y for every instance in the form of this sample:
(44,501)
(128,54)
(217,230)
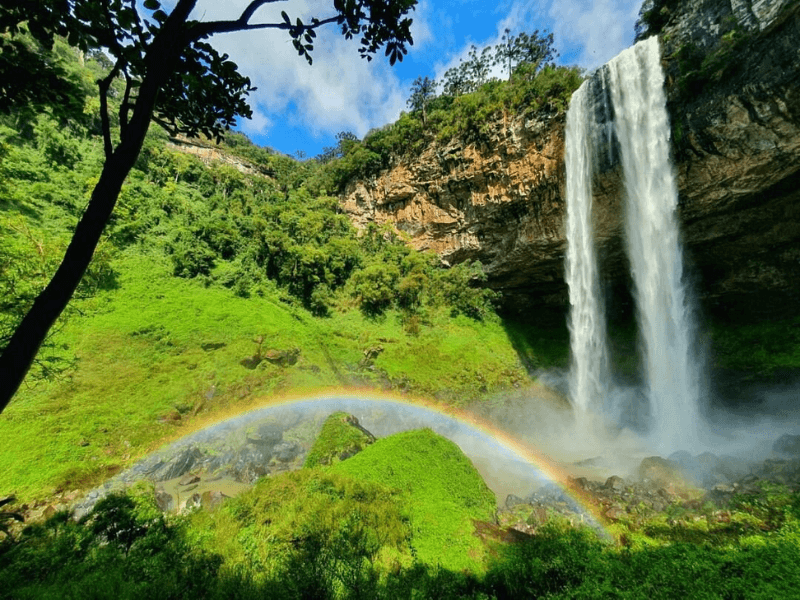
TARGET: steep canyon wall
(733,86)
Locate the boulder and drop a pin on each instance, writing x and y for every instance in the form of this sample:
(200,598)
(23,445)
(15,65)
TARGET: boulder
(212,499)
(512,501)
(788,445)
(164,500)
(179,465)
(189,479)
(614,483)
(660,472)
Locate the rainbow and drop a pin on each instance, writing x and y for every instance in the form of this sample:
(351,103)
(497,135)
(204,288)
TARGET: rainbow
(542,463)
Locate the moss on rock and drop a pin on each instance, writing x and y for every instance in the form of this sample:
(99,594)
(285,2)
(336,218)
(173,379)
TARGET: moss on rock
(341,437)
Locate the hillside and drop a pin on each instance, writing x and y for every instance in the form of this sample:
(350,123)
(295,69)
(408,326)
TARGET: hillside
(221,282)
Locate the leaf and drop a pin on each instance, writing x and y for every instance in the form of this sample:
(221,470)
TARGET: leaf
(152,4)
(285,17)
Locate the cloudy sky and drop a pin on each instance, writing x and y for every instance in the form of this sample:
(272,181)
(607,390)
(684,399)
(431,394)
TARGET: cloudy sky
(302,107)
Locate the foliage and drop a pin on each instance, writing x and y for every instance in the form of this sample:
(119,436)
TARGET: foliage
(423,90)
(339,439)
(756,347)
(363,533)
(309,534)
(532,88)
(443,493)
(172,76)
(653,17)
(124,549)
(524,49)
(698,67)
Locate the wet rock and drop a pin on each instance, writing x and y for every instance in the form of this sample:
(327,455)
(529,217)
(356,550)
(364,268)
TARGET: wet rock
(287,451)
(580,483)
(212,499)
(251,463)
(614,483)
(724,488)
(164,501)
(661,472)
(590,462)
(615,512)
(512,501)
(189,480)
(179,465)
(266,435)
(788,445)
(193,502)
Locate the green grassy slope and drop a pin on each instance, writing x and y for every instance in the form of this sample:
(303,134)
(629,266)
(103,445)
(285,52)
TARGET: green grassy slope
(444,494)
(159,347)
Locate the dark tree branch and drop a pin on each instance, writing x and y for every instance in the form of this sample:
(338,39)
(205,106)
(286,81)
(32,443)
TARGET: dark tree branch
(203,30)
(160,62)
(104,84)
(253,7)
(125,106)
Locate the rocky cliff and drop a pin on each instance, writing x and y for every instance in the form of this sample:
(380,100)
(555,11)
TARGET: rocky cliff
(733,83)
(210,153)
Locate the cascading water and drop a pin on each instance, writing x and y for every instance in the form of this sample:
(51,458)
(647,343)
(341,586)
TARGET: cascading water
(589,369)
(640,123)
(654,248)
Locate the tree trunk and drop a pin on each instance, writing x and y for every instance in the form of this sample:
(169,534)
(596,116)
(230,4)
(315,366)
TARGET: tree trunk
(32,331)
(48,306)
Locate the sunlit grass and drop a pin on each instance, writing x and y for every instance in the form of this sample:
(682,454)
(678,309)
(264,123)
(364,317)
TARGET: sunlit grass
(160,355)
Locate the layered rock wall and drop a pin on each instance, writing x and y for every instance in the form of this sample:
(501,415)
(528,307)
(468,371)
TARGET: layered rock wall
(736,142)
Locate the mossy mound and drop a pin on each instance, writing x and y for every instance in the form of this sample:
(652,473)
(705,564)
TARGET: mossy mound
(308,531)
(341,437)
(443,492)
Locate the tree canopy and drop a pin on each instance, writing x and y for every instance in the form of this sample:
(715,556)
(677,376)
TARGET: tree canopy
(172,76)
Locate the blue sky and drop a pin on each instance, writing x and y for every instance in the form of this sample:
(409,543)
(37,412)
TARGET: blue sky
(302,107)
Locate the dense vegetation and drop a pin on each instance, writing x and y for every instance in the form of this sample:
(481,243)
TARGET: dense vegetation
(406,518)
(206,280)
(202,271)
(470,101)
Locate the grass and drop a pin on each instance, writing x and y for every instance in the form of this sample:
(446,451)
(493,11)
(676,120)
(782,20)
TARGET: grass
(337,440)
(444,494)
(159,356)
(760,348)
(327,533)
(409,497)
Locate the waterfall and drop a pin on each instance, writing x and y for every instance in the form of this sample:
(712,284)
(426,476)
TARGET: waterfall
(589,374)
(654,247)
(635,83)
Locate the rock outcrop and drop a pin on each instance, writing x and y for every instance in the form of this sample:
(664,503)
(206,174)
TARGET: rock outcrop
(210,153)
(733,86)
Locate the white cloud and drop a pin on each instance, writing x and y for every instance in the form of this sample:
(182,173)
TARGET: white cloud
(521,16)
(341,91)
(588,32)
(600,28)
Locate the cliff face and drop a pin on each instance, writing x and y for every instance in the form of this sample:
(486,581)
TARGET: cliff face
(500,202)
(209,153)
(736,143)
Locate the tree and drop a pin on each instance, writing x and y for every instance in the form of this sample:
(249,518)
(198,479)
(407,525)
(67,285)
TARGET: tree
(173,77)
(531,49)
(345,141)
(478,66)
(423,90)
